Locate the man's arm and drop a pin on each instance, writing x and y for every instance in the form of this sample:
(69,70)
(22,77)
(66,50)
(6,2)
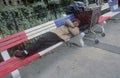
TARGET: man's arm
(73,31)
(72,27)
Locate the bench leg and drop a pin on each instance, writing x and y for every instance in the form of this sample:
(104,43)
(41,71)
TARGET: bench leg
(6,56)
(102,29)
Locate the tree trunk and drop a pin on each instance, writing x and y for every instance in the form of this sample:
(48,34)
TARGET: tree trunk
(1,4)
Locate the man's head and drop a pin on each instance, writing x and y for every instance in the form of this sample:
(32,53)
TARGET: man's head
(76,22)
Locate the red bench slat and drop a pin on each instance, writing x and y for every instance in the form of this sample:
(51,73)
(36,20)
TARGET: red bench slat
(12,40)
(103,18)
(13,44)
(14,63)
(11,36)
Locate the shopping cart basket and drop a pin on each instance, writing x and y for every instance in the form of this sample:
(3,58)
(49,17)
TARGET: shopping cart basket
(89,18)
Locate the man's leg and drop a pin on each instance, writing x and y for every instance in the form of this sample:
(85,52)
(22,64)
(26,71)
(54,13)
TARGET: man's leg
(47,40)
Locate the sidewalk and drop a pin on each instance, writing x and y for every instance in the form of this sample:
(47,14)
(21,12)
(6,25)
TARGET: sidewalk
(90,61)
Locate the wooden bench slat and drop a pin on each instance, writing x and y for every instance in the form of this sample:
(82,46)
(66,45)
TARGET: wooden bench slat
(12,40)
(39,33)
(115,7)
(40,30)
(39,26)
(112,3)
(14,63)
(102,19)
(110,14)
(116,10)
(11,36)
(61,21)
(13,44)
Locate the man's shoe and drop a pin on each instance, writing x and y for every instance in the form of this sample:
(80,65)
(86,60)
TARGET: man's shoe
(21,54)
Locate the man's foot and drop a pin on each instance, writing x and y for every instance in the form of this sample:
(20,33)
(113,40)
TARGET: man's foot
(20,54)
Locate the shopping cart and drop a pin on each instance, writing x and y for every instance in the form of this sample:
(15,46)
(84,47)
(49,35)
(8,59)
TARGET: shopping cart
(88,15)
(89,20)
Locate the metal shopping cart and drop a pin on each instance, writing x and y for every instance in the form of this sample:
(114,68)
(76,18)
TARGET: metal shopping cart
(89,20)
(88,16)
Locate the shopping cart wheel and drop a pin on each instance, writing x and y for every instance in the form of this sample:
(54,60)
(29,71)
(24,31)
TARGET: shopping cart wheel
(103,34)
(96,41)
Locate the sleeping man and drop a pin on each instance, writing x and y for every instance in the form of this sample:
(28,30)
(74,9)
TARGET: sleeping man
(63,33)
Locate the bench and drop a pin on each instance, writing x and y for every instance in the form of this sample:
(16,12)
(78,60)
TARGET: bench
(11,64)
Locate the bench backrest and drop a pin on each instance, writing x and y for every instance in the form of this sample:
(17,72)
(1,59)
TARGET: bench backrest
(31,33)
